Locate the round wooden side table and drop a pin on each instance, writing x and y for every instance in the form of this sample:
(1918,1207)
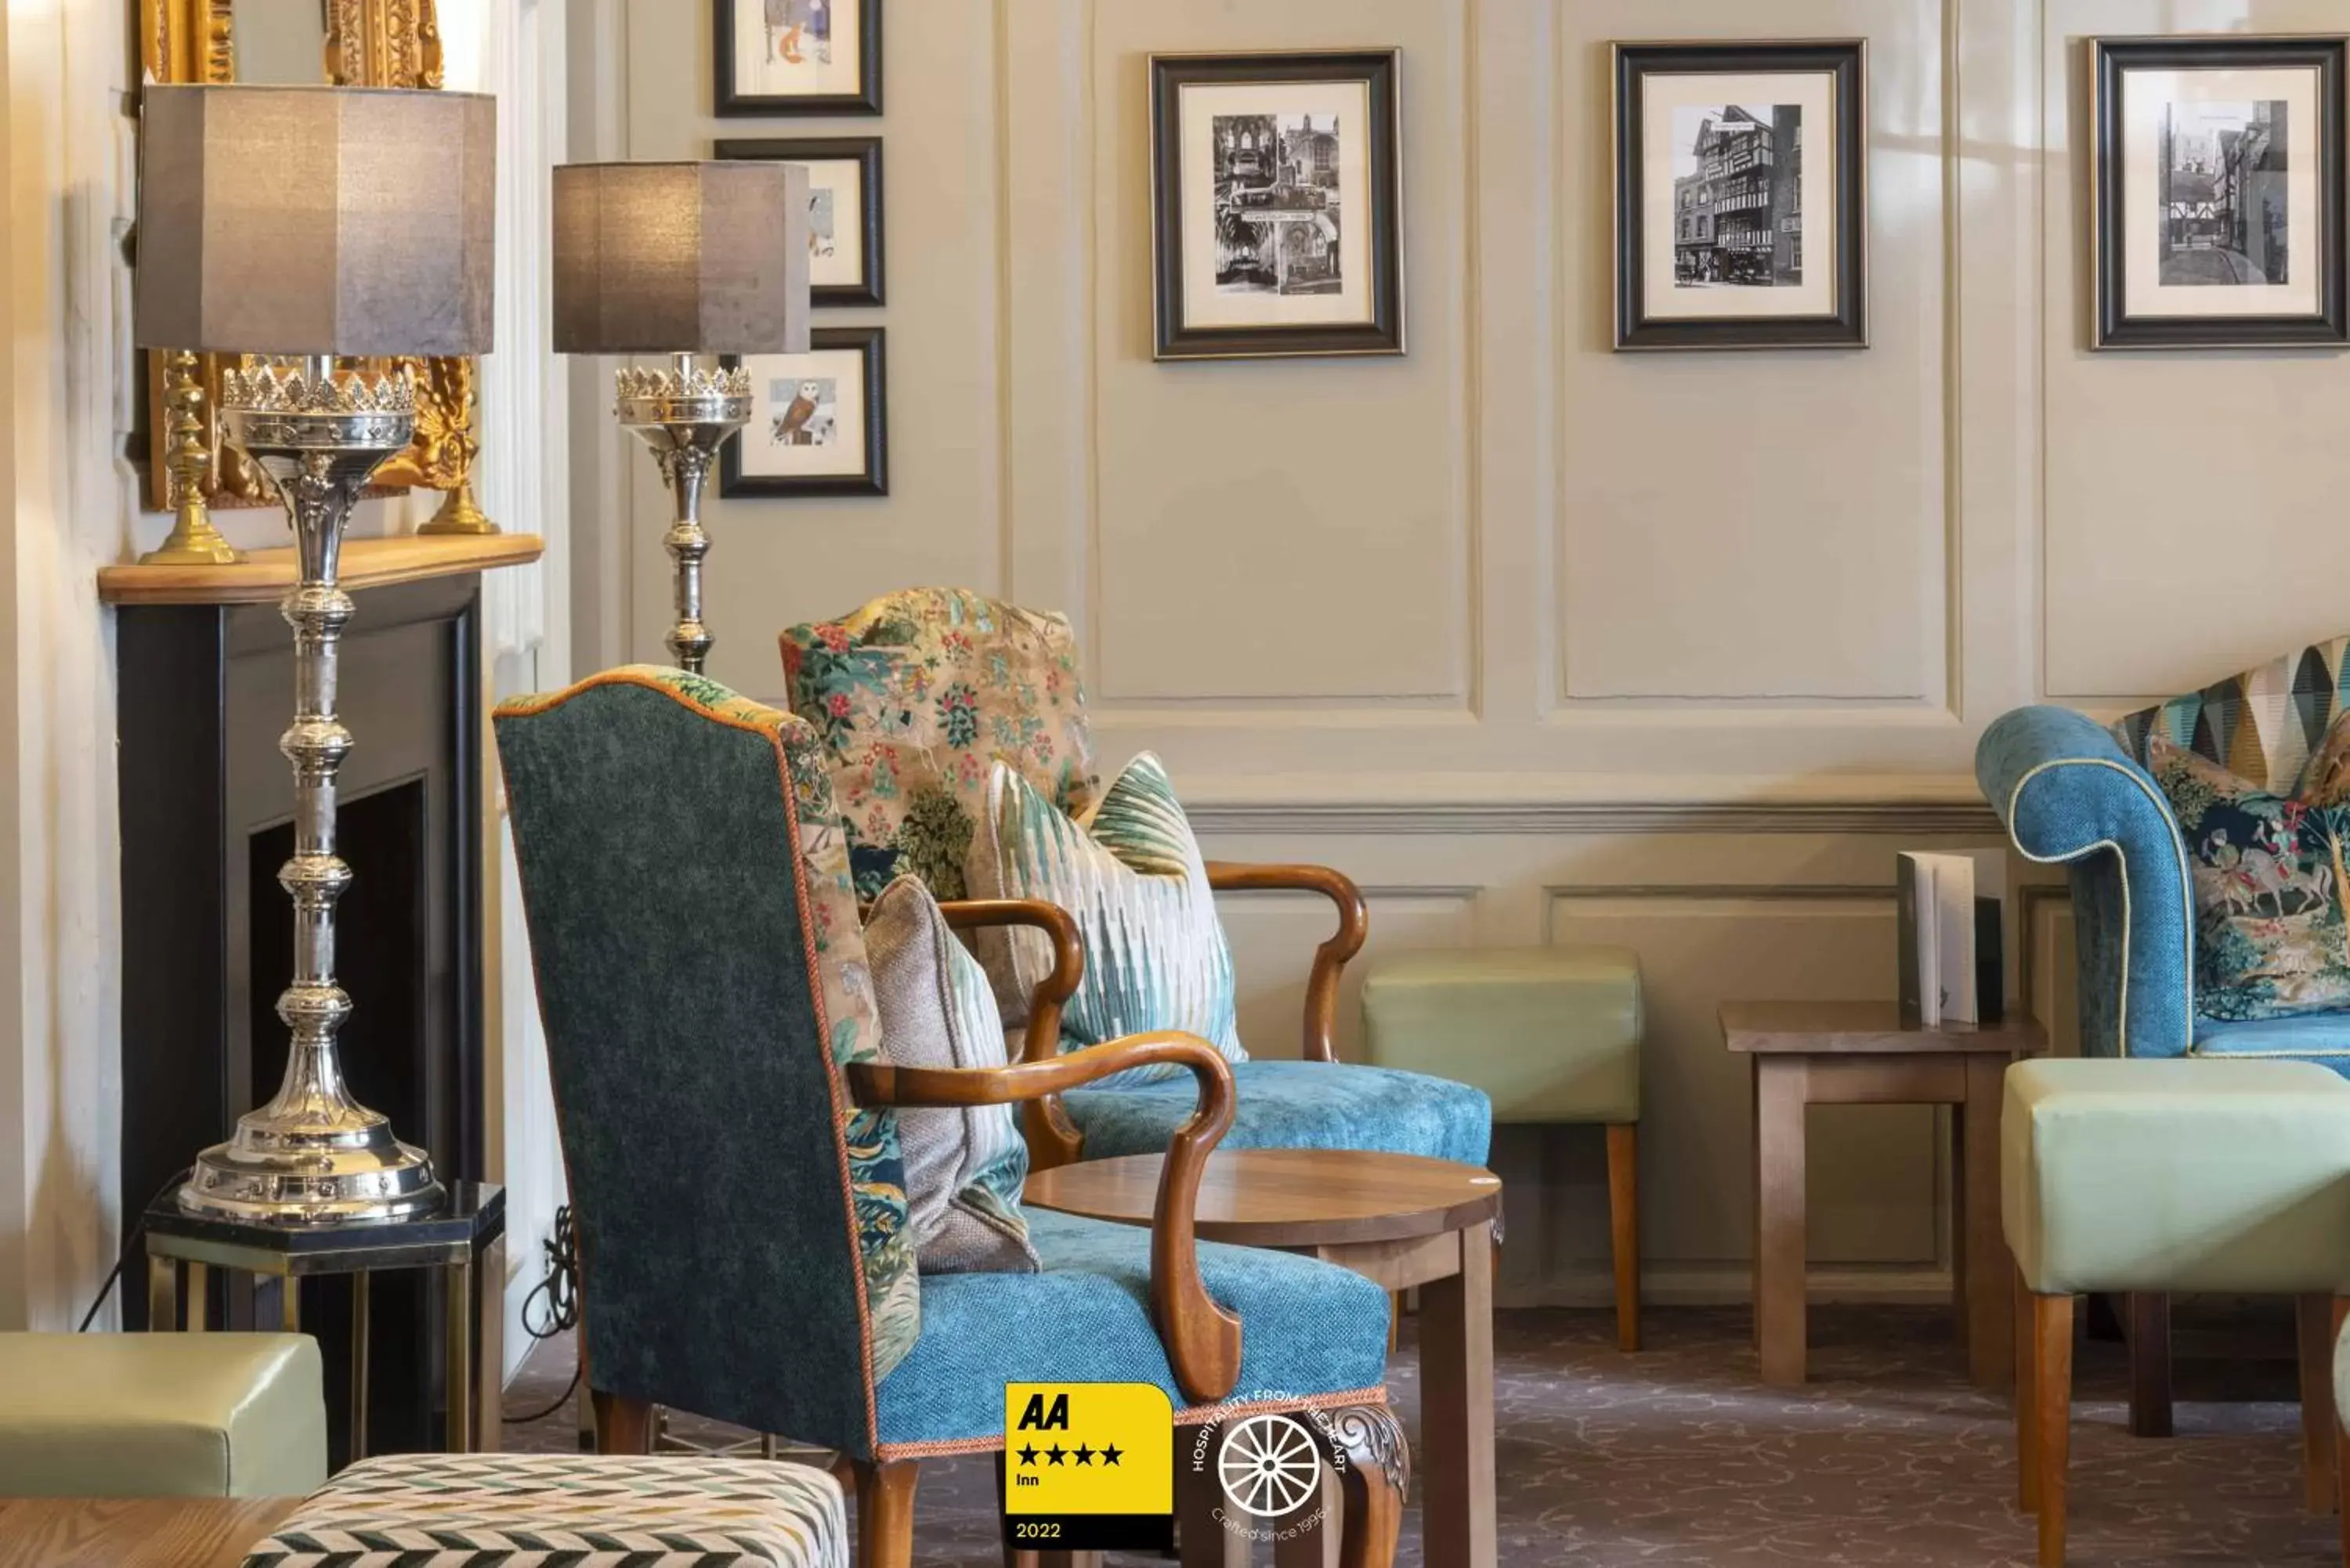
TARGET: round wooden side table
(1399,1220)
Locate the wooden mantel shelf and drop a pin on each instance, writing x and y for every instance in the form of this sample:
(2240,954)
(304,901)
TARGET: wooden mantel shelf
(264,575)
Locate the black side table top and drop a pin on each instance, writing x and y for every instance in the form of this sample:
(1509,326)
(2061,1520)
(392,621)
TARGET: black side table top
(473,1216)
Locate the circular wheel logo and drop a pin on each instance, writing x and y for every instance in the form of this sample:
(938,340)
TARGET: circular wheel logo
(1269,1466)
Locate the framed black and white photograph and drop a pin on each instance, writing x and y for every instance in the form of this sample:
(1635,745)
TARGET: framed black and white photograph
(2218,217)
(1742,195)
(799,56)
(1276,198)
(844,210)
(818,420)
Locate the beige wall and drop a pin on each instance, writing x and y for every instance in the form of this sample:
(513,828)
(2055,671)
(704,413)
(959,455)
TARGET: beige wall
(1541,643)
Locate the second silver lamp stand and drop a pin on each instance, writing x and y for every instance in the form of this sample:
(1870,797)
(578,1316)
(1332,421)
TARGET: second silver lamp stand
(685,413)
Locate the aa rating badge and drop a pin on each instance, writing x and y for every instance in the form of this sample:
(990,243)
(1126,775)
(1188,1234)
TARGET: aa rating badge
(1088,1467)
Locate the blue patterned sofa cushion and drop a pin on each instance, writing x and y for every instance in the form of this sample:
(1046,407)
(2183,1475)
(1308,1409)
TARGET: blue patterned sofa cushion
(1300,1105)
(1308,1330)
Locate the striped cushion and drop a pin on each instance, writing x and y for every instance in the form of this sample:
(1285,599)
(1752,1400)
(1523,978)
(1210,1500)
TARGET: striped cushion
(965,1167)
(1130,873)
(2261,724)
(538,1510)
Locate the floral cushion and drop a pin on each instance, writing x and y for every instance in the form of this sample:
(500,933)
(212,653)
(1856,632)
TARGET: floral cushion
(1130,874)
(915,695)
(2271,939)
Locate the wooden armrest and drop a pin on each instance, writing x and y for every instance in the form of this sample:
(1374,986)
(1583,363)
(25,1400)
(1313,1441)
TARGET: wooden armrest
(1053,1138)
(1202,1340)
(1329,958)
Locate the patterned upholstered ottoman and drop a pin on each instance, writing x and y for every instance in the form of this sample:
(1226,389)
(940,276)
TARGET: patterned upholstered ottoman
(534,1511)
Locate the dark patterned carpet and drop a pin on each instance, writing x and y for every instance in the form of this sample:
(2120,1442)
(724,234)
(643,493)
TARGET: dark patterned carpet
(1677,1456)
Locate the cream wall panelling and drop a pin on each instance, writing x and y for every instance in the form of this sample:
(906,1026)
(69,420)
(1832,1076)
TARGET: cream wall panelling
(2191,496)
(1514,617)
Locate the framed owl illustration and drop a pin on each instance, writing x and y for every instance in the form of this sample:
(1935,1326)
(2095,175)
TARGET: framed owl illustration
(818,420)
(797,56)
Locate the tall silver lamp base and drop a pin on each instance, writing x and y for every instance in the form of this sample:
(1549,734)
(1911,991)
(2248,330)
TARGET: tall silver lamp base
(314,1156)
(685,414)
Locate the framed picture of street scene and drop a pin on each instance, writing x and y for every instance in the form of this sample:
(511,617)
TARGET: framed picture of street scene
(799,56)
(818,420)
(2217,208)
(1742,186)
(1276,198)
(843,210)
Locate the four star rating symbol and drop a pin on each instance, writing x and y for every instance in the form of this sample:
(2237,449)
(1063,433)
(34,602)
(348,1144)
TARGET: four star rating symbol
(1110,1454)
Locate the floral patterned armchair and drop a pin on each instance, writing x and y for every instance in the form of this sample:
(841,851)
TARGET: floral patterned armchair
(917,694)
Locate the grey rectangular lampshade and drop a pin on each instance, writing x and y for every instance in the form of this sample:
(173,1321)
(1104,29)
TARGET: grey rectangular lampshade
(668,258)
(283,220)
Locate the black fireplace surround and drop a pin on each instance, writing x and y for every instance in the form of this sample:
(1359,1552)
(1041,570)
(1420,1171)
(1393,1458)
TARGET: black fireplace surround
(206,804)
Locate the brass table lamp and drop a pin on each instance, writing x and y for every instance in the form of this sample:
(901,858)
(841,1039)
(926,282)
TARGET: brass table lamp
(680,259)
(303,223)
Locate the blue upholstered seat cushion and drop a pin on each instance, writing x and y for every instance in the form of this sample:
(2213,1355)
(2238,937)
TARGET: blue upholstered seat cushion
(2320,1037)
(1307,1328)
(1299,1105)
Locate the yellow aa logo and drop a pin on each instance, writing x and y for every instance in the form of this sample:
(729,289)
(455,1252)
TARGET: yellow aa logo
(1088,1448)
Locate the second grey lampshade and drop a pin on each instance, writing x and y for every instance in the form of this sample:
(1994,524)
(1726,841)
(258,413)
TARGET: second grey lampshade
(668,258)
(283,220)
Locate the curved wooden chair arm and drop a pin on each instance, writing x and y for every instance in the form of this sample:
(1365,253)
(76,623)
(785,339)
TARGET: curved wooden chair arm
(1202,1340)
(1330,958)
(1053,1139)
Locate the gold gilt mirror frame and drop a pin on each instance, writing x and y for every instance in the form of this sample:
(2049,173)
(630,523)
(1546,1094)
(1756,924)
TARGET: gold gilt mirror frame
(369,43)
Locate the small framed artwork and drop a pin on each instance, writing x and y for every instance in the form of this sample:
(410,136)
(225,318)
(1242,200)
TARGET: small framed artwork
(1741,185)
(799,56)
(818,420)
(2218,204)
(1276,204)
(844,210)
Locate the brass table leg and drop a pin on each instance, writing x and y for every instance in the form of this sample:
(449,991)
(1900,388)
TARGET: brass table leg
(490,1349)
(459,1338)
(359,1338)
(289,1302)
(163,1294)
(200,1297)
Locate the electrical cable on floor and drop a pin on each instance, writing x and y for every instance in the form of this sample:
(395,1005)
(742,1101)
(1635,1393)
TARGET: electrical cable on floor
(560,1290)
(130,1240)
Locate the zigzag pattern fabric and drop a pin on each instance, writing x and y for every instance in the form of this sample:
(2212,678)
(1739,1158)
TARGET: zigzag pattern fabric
(542,1510)
(2261,725)
(1130,873)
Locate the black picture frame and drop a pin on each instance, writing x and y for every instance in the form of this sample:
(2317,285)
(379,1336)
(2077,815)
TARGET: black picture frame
(871,342)
(865,99)
(2111,324)
(1381,72)
(863,150)
(1845,62)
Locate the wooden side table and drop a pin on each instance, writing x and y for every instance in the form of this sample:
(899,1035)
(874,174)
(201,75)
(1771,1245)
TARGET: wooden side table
(1397,1219)
(135,1532)
(1856,1054)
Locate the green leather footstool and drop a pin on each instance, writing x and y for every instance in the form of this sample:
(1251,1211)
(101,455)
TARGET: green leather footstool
(1551,1034)
(160,1414)
(2171,1175)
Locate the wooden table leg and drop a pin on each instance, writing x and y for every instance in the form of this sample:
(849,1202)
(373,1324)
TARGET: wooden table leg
(1200,1535)
(1309,1538)
(1456,1415)
(1988,1268)
(2313,1321)
(1779,1099)
(2147,1316)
